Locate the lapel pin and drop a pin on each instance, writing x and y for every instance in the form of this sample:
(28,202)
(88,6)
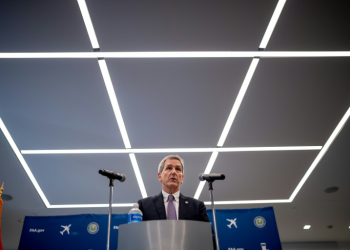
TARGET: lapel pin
(186,202)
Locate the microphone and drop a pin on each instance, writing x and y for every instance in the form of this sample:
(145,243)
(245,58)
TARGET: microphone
(112,175)
(211,177)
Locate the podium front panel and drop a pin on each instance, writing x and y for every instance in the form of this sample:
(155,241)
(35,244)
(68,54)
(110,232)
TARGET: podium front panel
(166,234)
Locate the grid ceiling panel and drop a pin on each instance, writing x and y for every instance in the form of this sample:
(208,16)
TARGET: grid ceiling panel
(76,179)
(176,102)
(292,102)
(255,175)
(312,25)
(181,25)
(42,26)
(57,104)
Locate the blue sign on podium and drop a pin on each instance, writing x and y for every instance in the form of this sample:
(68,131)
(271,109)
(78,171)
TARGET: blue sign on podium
(85,231)
(247,229)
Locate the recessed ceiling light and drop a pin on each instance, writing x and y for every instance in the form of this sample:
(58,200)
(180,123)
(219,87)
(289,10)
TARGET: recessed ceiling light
(307,227)
(331,190)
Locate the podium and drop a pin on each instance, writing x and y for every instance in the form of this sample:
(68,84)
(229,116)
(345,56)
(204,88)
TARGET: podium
(166,235)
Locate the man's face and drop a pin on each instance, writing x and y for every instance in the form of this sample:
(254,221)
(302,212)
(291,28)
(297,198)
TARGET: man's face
(171,177)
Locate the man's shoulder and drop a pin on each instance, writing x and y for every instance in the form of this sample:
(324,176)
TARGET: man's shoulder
(190,199)
(150,198)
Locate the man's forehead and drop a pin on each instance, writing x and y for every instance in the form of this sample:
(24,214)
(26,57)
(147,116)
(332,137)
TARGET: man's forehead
(172,162)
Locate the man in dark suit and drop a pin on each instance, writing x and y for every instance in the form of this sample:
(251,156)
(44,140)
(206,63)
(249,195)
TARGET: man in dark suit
(163,205)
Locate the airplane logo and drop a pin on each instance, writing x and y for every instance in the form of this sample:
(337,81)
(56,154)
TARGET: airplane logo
(66,228)
(233,222)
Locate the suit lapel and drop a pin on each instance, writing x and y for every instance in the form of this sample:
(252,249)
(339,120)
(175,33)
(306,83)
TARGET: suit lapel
(159,203)
(183,207)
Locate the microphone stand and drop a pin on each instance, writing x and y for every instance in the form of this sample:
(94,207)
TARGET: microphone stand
(111,185)
(210,185)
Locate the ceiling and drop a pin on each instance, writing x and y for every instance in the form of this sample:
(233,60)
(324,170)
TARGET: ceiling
(177,103)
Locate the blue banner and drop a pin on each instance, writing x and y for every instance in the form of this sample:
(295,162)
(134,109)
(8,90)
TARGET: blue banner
(86,231)
(247,229)
(238,229)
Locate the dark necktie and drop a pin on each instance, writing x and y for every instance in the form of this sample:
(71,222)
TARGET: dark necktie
(171,208)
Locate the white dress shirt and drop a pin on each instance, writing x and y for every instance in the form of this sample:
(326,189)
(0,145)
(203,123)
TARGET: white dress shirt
(175,201)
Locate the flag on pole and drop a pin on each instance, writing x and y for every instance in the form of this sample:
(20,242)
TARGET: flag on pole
(2,189)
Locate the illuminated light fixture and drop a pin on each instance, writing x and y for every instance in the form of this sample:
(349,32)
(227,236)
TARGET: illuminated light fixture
(238,101)
(210,165)
(138,175)
(114,102)
(321,153)
(180,54)
(88,23)
(92,205)
(247,202)
(307,227)
(169,150)
(272,24)
(23,162)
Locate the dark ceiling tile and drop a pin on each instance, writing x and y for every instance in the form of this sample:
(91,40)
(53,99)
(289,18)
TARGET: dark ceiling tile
(180,25)
(57,104)
(176,102)
(292,102)
(42,26)
(312,25)
(259,175)
(74,179)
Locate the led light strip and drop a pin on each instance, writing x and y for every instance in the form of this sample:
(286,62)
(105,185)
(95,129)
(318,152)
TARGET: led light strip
(210,165)
(180,54)
(272,24)
(23,162)
(111,93)
(321,153)
(318,158)
(88,24)
(91,205)
(243,88)
(247,202)
(138,175)
(114,102)
(238,101)
(168,150)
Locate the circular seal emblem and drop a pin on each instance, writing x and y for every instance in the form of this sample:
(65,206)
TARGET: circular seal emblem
(93,228)
(259,221)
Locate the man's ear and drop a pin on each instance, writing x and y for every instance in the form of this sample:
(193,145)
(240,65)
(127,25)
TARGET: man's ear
(160,177)
(182,179)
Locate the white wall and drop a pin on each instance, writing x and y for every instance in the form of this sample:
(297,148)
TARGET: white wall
(316,246)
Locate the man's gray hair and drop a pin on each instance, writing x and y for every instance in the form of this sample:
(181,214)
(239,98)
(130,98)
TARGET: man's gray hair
(170,157)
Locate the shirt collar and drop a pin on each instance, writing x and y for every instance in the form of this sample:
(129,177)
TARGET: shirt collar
(166,195)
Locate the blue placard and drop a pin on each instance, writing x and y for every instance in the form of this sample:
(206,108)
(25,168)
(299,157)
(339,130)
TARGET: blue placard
(86,231)
(247,229)
(238,229)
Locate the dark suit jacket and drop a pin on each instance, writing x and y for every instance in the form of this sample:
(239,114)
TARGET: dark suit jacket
(189,209)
